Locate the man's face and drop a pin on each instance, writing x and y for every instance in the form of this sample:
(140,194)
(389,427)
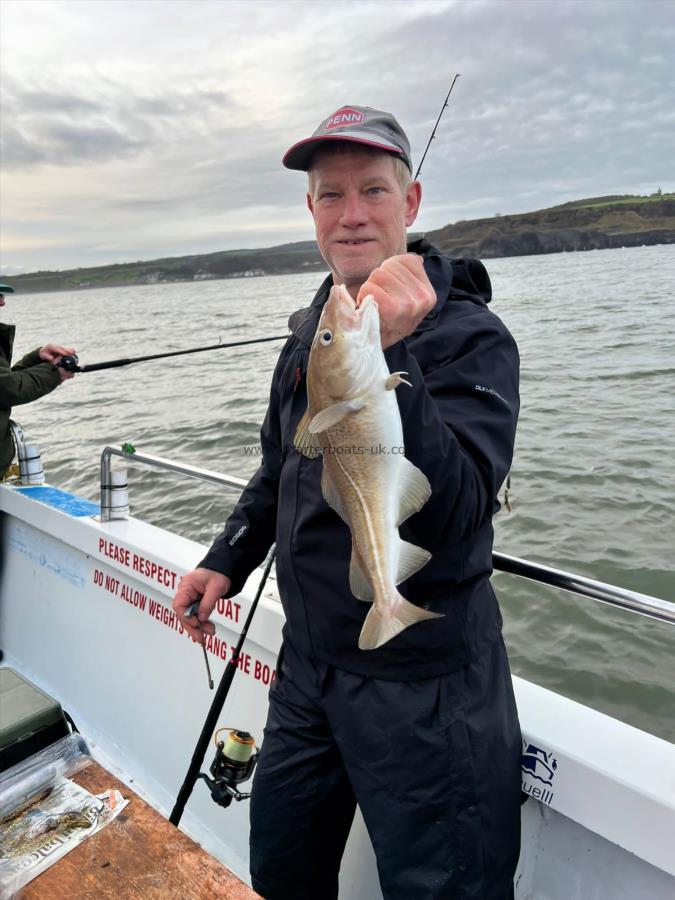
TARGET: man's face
(360,212)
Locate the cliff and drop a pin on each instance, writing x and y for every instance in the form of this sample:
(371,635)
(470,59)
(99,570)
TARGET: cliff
(584,225)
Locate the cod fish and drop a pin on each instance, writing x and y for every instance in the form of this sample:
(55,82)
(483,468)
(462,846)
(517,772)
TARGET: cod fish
(353,420)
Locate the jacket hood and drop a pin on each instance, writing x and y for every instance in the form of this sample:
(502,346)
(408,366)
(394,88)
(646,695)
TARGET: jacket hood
(467,277)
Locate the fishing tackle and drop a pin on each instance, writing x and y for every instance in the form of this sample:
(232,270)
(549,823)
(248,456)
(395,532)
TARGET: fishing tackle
(433,133)
(224,767)
(192,611)
(71,363)
(233,764)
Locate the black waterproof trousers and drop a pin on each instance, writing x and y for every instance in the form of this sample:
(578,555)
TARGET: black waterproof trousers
(434,766)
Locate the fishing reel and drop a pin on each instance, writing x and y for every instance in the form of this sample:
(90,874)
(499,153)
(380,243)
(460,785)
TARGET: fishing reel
(233,764)
(69,363)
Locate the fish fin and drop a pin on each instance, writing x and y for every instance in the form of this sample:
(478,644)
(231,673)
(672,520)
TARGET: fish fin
(359,584)
(331,495)
(331,415)
(381,626)
(305,442)
(394,380)
(410,560)
(414,490)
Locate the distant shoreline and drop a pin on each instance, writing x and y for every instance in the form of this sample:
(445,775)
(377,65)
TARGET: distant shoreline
(593,224)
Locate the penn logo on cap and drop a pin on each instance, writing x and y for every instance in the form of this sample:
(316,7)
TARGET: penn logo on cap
(357,125)
(345,117)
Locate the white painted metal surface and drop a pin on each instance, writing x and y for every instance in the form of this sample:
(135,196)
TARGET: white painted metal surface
(85,613)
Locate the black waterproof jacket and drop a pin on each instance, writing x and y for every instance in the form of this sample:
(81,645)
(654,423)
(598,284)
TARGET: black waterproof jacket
(24,382)
(459,421)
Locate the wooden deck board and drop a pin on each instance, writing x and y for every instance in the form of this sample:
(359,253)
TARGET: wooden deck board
(138,856)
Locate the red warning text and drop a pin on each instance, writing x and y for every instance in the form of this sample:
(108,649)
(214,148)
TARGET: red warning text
(141,601)
(137,563)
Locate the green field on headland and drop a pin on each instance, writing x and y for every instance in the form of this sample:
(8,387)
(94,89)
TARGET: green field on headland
(591,224)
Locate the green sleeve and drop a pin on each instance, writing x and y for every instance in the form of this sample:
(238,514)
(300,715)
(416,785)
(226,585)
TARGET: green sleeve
(25,382)
(29,360)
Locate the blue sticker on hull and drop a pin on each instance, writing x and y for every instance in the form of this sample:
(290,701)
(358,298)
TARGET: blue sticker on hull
(70,504)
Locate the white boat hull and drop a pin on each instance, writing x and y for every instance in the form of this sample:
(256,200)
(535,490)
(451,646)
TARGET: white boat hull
(85,613)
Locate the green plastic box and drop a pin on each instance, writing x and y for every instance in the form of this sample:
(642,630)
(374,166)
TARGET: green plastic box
(30,720)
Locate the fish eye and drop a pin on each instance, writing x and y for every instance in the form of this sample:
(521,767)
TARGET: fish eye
(326,337)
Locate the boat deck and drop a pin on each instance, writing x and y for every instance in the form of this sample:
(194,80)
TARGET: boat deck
(138,855)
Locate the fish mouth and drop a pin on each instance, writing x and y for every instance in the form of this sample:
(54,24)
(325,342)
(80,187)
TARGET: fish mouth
(344,308)
(341,314)
(369,324)
(356,319)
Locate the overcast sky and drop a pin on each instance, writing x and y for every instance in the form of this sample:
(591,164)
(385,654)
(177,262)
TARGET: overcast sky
(135,129)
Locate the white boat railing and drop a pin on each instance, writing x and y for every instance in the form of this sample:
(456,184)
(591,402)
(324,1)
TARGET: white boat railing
(158,462)
(643,604)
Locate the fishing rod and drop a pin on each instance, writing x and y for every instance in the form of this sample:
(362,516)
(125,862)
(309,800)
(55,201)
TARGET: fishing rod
(71,363)
(227,771)
(433,133)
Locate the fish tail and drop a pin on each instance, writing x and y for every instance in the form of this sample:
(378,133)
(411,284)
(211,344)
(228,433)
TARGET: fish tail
(384,622)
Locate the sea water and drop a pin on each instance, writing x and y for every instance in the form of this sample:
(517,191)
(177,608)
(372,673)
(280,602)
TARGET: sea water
(593,471)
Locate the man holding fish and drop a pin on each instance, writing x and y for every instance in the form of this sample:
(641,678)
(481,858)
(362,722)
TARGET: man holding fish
(389,431)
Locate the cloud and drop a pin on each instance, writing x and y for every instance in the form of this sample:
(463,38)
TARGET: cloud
(162,125)
(82,123)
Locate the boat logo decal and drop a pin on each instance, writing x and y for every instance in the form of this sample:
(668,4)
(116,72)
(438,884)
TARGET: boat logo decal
(538,765)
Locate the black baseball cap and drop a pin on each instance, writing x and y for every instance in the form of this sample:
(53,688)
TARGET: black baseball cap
(359,124)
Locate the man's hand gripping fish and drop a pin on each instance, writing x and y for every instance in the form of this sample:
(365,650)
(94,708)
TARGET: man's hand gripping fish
(353,417)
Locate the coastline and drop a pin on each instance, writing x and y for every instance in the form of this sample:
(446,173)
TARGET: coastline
(593,224)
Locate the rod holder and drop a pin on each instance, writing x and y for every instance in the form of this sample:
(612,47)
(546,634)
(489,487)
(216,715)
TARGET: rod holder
(28,456)
(118,495)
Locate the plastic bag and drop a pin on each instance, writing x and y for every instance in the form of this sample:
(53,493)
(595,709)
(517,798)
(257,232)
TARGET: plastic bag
(43,815)
(31,777)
